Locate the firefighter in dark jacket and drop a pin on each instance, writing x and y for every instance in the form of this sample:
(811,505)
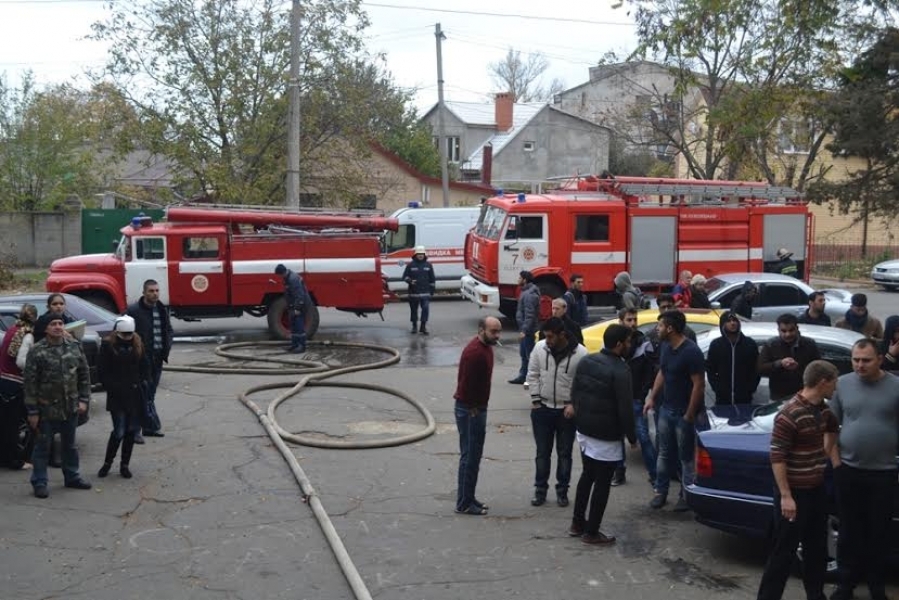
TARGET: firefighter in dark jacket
(784,265)
(419,275)
(603,415)
(295,292)
(731,365)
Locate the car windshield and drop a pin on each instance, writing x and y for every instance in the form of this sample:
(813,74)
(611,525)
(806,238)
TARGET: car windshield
(492,223)
(93,314)
(714,284)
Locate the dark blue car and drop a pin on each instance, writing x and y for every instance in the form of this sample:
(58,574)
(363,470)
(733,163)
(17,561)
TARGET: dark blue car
(734,486)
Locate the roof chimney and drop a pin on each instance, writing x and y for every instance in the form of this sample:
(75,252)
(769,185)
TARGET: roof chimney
(503,104)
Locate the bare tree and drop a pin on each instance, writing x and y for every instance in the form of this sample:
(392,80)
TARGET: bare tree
(521,76)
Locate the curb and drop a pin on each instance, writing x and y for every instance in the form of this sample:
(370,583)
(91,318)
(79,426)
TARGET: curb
(858,282)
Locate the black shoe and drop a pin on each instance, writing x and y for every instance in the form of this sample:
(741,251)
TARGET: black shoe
(618,478)
(423,331)
(125,472)
(414,328)
(576,529)
(562,499)
(681,505)
(139,439)
(152,434)
(658,501)
(79,484)
(598,538)
(41,491)
(539,499)
(517,381)
(104,470)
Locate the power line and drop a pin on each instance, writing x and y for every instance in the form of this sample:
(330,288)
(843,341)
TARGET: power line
(502,15)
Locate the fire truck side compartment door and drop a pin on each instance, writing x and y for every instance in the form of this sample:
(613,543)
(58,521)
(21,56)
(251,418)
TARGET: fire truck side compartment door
(653,248)
(148,261)
(523,246)
(784,231)
(198,274)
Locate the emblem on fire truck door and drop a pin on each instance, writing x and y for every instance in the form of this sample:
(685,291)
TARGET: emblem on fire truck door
(199,284)
(528,253)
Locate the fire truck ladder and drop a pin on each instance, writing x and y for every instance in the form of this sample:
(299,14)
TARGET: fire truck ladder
(700,191)
(303,210)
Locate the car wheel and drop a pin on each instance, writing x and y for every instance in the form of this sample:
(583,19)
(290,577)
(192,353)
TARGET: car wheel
(833,536)
(891,288)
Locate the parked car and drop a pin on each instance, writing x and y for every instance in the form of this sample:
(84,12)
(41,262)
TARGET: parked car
(700,320)
(887,274)
(778,294)
(734,485)
(98,319)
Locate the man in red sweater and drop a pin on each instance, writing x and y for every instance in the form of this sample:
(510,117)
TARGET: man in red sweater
(805,431)
(472,395)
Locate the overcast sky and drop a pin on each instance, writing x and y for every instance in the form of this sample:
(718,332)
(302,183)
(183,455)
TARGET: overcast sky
(47,36)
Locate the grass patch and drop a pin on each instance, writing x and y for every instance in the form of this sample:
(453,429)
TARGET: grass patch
(852,269)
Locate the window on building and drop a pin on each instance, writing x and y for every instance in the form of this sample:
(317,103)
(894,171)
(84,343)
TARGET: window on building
(529,146)
(149,248)
(453,148)
(794,136)
(591,228)
(200,247)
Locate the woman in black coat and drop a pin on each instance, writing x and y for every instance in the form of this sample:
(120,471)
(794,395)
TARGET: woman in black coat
(122,368)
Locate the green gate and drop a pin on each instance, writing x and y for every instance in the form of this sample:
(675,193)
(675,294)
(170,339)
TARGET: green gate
(100,227)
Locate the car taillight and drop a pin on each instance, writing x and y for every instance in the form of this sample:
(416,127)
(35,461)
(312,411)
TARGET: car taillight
(703,462)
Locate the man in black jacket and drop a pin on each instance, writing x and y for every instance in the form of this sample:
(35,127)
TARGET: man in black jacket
(784,358)
(153,325)
(731,364)
(814,314)
(742,304)
(603,407)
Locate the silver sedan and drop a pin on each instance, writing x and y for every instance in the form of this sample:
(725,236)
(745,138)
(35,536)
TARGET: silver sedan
(887,274)
(778,294)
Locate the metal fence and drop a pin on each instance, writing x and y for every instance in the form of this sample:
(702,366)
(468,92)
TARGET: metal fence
(854,244)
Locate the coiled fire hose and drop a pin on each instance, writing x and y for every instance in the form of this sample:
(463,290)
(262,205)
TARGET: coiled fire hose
(314,373)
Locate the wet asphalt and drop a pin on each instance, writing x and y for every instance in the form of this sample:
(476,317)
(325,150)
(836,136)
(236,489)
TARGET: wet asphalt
(213,511)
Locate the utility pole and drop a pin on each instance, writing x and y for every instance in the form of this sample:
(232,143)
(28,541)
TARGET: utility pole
(293,117)
(441,125)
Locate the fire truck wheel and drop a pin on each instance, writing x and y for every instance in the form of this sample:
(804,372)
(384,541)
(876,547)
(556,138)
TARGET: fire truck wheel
(279,323)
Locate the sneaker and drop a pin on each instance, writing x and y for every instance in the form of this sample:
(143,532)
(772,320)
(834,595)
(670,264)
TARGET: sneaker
(576,529)
(562,499)
(139,439)
(527,386)
(79,484)
(658,501)
(599,539)
(517,381)
(681,505)
(618,478)
(41,491)
(539,499)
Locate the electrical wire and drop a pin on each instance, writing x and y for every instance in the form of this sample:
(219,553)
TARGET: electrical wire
(499,15)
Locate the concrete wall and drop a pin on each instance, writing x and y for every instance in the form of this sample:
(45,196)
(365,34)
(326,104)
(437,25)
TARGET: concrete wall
(563,145)
(36,239)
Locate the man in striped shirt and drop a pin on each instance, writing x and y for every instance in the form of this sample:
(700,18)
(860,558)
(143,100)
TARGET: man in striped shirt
(805,431)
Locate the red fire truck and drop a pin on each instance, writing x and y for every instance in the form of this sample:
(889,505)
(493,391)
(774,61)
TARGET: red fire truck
(221,263)
(652,228)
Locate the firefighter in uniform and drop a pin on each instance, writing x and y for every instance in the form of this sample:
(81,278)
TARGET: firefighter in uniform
(419,274)
(295,291)
(785,265)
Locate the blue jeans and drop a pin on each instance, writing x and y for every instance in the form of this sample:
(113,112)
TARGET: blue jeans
(472,431)
(425,303)
(677,438)
(123,423)
(150,418)
(297,329)
(42,445)
(647,448)
(525,347)
(550,426)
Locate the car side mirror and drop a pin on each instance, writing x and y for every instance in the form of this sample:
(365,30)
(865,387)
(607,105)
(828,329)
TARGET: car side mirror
(716,305)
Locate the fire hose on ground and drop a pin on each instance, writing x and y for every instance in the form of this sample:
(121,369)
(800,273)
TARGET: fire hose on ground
(313,373)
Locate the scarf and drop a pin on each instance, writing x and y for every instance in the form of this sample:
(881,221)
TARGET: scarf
(23,329)
(856,322)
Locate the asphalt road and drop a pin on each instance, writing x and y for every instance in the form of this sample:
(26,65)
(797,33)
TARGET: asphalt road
(213,512)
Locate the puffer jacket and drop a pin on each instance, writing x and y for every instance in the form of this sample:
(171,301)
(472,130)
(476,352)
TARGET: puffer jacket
(550,374)
(732,367)
(528,313)
(890,362)
(603,398)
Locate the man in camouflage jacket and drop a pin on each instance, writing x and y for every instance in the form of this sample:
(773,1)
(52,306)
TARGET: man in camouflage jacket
(57,390)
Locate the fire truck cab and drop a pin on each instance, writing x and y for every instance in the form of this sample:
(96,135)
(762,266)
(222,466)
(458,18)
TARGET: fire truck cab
(221,263)
(652,228)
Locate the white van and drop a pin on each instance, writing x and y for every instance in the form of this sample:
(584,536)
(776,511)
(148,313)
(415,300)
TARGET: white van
(441,231)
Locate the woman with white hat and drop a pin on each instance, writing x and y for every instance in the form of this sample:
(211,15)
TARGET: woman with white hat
(122,367)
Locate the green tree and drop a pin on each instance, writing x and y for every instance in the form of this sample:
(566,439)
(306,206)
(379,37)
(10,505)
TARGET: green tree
(208,79)
(45,154)
(864,117)
(414,143)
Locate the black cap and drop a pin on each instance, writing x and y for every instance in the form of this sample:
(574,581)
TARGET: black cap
(280,270)
(860,300)
(526,275)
